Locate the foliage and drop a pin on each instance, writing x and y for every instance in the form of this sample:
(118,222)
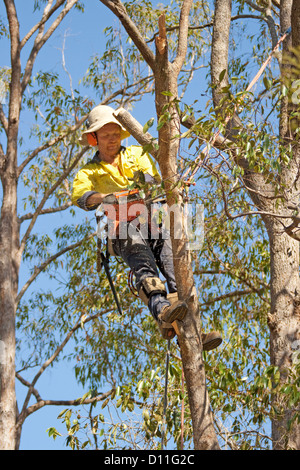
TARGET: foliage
(125,355)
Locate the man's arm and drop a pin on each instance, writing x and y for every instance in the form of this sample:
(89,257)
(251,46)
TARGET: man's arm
(83,191)
(95,199)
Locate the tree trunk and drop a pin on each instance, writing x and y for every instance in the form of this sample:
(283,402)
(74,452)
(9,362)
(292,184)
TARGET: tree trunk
(284,326)
(284,251)
(189,337)
(9,273)
(9,244)
(8,292)
(284,320)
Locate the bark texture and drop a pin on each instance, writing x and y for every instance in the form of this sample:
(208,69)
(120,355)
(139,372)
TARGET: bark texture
(284,319)
(166,76)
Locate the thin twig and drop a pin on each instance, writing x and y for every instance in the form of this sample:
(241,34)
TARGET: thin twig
(38,270)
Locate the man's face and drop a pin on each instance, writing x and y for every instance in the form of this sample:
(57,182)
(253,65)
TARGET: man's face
(109,141)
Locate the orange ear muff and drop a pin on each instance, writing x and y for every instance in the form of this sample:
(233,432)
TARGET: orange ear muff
(92,139)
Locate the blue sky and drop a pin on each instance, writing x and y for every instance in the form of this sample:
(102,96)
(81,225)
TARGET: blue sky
(84,38)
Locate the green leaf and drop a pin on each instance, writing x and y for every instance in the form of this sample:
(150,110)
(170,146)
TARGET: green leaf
(222,75)
(52,432)
(148,125)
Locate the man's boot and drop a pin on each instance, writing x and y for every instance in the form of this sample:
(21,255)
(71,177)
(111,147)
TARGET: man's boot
(211,340)
(169,314)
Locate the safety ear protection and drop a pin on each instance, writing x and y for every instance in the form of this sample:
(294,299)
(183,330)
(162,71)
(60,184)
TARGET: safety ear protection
(92,139)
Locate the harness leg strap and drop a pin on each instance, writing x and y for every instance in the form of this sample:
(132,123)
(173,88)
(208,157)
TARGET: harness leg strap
(150,286)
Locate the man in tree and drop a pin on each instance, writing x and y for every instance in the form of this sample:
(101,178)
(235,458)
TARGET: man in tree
(111,171)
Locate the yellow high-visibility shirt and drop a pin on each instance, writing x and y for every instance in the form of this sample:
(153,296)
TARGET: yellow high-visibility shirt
(101,177)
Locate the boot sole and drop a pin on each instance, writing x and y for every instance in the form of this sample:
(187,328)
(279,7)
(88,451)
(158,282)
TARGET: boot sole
(176,312)
(213,344)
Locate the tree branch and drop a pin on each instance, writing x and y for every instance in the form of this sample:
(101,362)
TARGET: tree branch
(210,24)
(229,295)
(219,48)
(182,37)
(38,270)
(46,196)
(25,411)
(117,7)
(254,6)
(50,210)
(48,12)
(49,144)
(3,119)
(41,39)
(75,402)
(136,130)
(27,384)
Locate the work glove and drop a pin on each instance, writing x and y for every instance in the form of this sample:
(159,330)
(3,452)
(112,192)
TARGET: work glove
(109,199)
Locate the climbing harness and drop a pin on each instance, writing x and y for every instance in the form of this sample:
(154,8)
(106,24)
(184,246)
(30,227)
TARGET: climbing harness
(122,207)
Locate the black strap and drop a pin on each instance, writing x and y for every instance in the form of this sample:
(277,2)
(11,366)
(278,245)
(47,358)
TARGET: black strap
(104,262)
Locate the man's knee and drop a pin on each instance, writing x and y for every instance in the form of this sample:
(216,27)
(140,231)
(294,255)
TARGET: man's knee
(151,286)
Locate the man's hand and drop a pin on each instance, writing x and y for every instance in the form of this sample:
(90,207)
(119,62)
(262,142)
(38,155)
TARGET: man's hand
(95,199)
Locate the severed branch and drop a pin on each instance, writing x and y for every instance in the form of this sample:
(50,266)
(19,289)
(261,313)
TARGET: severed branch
(136,130)
(161,40)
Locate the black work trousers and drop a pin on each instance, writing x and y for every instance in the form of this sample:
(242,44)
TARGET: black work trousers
(145,256)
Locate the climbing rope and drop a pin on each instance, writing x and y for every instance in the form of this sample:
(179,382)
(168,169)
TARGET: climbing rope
(131,285)
(163,433)
(182,409)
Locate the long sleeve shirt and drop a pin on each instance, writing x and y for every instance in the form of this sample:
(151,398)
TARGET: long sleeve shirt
(98,176)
